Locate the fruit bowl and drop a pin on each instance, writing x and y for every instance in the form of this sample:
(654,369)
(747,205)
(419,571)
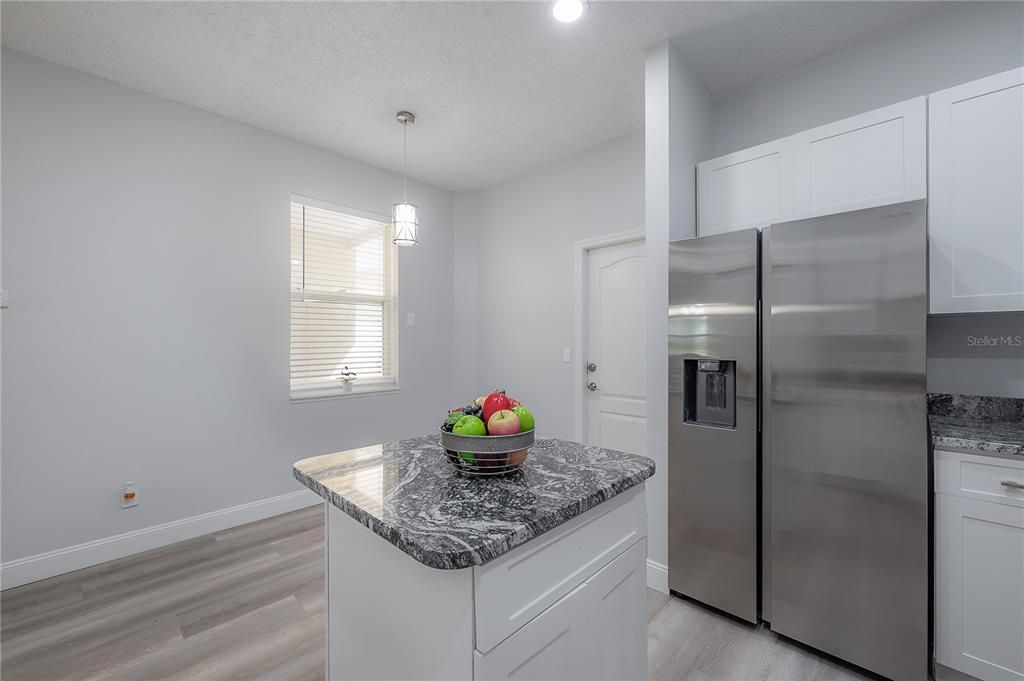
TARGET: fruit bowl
(486,454)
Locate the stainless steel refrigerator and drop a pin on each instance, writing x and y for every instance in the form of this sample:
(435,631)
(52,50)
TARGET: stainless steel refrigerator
(798,450)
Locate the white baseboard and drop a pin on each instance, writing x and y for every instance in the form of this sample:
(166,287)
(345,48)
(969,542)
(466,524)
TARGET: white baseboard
(657,576)
(52,563)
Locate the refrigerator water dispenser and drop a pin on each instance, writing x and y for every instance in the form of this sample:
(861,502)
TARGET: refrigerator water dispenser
(710,392)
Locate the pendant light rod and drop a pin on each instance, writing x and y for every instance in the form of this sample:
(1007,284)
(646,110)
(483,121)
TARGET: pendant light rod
(407,119)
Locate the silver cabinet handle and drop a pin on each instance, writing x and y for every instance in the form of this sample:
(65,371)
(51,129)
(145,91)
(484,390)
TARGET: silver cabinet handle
(1011,484)
(592,386)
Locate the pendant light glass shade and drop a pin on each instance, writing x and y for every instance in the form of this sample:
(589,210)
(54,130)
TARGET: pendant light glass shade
(406,223)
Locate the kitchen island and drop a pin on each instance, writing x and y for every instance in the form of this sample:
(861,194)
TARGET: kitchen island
(432,575)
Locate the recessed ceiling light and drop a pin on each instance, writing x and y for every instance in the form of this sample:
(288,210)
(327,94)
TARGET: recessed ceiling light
(568,11)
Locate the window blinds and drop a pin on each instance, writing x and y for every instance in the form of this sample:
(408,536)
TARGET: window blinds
(343,302)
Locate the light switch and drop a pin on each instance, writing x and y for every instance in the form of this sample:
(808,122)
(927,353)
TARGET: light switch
(410,319)
(566,355)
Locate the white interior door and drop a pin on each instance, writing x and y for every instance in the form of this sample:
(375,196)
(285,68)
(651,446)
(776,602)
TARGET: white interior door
(616,347)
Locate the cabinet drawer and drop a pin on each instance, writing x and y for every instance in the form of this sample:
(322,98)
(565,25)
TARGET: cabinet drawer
(513,589)
(980,477)
(551,647)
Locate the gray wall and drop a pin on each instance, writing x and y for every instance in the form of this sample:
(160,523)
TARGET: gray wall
(952,46)
(519,316)
(678,120)
(977,354)
(956,45)
(146,248)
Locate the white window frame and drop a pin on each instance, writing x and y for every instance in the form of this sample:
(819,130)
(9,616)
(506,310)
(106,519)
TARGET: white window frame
(365,387)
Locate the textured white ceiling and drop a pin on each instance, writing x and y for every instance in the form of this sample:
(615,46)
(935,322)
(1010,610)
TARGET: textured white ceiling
(734,54)
(498,88)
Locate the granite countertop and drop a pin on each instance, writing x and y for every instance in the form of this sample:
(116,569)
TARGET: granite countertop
(978,424)
(407,493)
(995,437)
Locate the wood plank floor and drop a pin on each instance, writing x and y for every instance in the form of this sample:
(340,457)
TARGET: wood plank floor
(248,604)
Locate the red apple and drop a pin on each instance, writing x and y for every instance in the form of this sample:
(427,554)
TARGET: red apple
(494,403)
(503,422)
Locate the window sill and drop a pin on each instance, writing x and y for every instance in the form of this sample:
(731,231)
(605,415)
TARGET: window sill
(332,393)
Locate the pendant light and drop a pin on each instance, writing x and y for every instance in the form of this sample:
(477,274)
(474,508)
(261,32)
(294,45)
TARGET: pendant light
(403,215)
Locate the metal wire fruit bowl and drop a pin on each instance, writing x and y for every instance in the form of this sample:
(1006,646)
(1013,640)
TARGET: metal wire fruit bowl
(485,455)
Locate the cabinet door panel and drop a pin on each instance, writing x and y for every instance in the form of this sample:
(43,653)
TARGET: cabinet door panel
(868,160)
(749,188)
(549,648)
(976,195)
(618,597)
(980,587)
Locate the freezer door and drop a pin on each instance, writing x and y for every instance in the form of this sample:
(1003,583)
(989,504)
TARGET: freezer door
(712,458)
(846,435)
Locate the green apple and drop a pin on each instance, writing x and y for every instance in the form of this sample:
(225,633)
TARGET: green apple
(526,421)
(469,425)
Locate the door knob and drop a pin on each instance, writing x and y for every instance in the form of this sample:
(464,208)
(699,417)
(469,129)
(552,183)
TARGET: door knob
(591,386)
(591,367)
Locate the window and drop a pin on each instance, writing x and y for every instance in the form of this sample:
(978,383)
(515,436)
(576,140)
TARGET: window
(344,331)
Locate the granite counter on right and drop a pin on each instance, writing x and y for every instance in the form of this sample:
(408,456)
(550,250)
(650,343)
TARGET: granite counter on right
(992,426)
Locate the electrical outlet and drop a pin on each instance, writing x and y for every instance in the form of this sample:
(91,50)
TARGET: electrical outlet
(410,319)
(129,494)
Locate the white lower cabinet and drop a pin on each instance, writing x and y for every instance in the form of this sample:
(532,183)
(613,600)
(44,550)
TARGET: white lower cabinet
(549,648)
(979,566)
(617,633)
(595,632)
(570,604)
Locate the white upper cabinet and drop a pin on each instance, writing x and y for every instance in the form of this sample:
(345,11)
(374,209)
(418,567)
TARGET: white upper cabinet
(868,160)
(976,195)
(750,188)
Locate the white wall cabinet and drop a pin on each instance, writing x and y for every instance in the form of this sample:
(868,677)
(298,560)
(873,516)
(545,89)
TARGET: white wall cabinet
(749,188)
(868,160)
(976,195)
(979,565)
(863,161)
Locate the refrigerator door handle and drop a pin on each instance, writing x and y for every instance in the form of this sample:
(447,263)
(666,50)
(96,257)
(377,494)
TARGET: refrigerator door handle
(765,302)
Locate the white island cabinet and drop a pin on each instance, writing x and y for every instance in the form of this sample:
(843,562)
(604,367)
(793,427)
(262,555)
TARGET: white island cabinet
(979,565)
(976,195)
(537,575)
